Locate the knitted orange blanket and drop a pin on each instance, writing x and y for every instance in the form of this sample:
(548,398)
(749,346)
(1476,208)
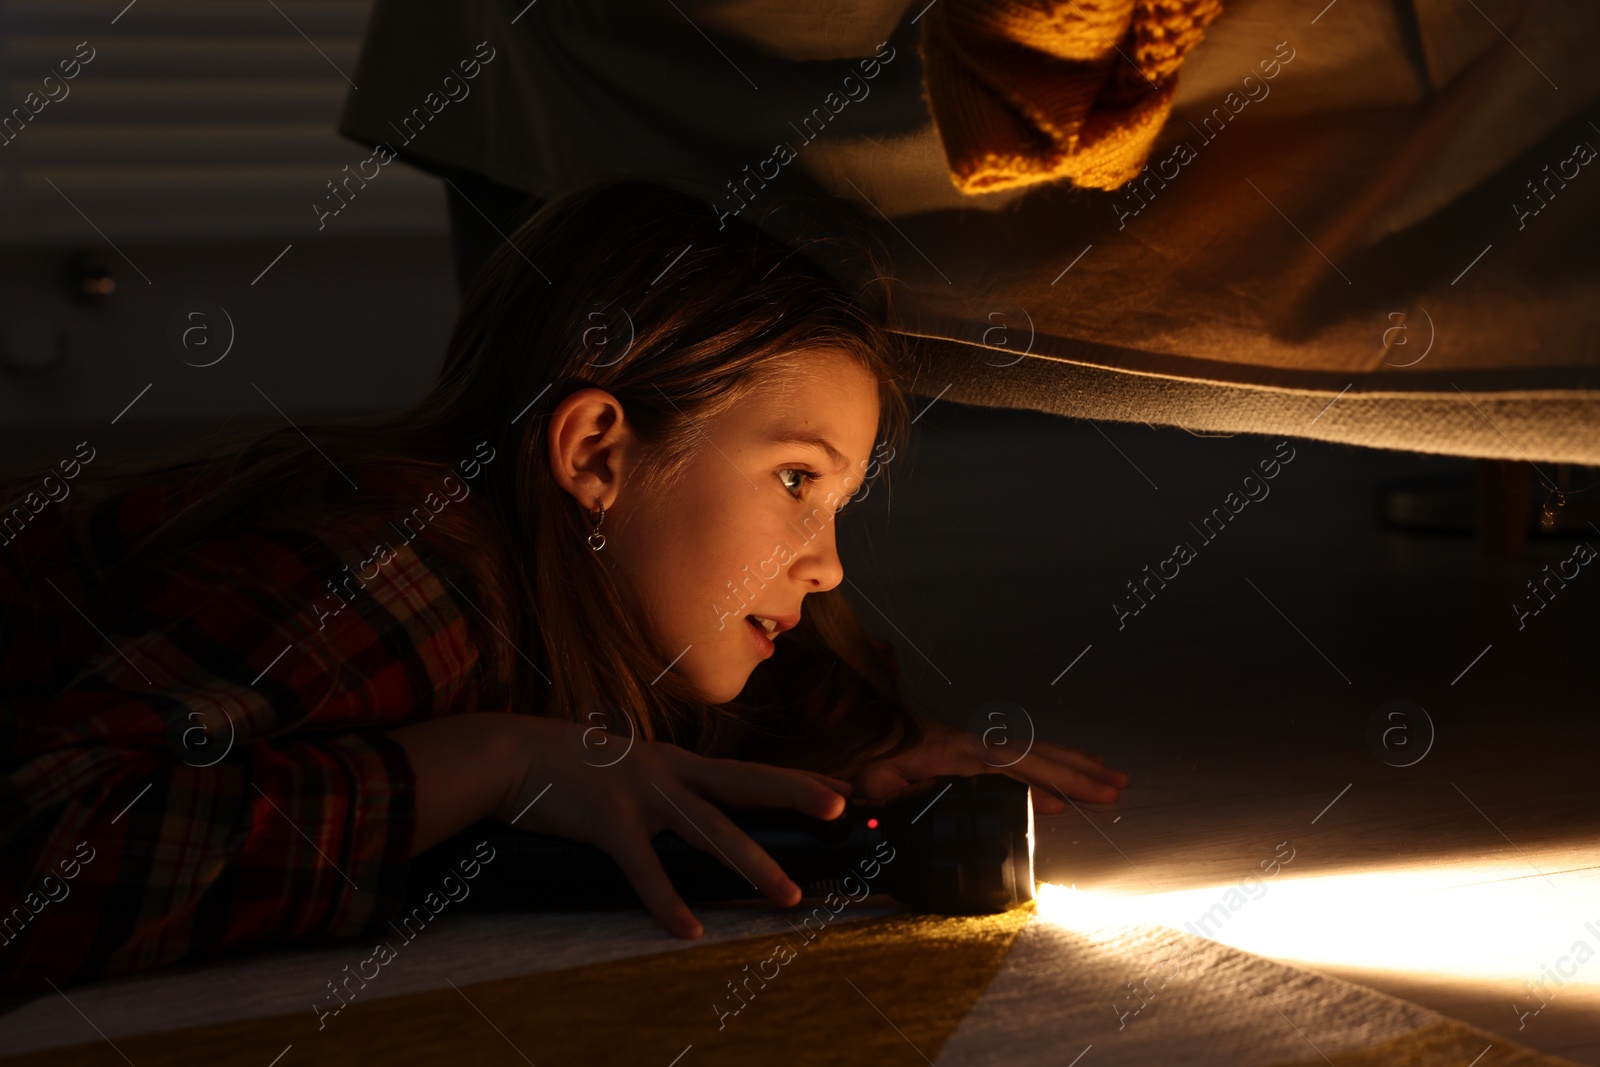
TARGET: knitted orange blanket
(1027,91)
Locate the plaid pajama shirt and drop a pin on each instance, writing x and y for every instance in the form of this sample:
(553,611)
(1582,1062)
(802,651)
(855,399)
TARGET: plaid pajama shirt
(212,769)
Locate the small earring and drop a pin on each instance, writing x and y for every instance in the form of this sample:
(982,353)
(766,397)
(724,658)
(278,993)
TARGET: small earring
(597,540)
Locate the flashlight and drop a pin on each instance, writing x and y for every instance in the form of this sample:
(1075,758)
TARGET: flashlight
(952,844)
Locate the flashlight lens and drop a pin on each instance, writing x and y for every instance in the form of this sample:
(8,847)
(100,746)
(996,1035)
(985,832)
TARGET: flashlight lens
(1030,836)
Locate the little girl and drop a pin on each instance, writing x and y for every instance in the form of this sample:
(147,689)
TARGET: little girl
(587,585)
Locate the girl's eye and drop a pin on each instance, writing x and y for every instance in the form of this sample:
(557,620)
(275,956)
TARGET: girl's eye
(806,478)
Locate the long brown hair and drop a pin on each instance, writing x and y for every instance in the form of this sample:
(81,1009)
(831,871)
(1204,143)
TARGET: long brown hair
(643,290)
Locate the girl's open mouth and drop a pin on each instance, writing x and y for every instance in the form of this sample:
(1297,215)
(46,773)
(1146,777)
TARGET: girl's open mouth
(762,634)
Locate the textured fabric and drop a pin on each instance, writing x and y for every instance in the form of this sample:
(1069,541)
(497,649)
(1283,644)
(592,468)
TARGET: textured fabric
(211,769)
(1026,92)
(923,973)
(1146,995)
(470,948)
(1005,990)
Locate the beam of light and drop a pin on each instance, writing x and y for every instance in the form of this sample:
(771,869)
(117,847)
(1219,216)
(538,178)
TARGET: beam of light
(1484,922)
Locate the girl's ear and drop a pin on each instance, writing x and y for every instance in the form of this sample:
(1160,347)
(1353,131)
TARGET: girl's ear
(590,445)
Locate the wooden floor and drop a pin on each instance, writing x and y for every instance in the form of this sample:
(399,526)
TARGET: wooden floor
(1239,699)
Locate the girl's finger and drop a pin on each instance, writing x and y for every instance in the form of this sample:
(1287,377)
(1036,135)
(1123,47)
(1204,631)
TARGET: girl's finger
(1047,803)
(1049,780)
(1095,773)
(1079,761)
(881,780)
(738,783)
(838,785)
(1074,785)
(1043,796)
(708,829)
(1065,752)
(1046,758)
(963,755)
(630,846)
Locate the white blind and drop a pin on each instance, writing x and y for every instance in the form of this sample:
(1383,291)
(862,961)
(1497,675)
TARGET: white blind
(194,120)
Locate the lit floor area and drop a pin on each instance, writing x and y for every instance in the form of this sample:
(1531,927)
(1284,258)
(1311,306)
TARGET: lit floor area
(1266,810)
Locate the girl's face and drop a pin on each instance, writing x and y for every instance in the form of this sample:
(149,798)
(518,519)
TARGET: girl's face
(749,530)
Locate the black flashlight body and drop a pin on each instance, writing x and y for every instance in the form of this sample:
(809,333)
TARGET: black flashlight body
(951,844)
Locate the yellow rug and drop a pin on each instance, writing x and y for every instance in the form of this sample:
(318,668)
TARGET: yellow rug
(886,991)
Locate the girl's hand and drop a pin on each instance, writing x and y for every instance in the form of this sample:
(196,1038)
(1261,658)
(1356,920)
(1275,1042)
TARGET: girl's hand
(620,807)
(1050,768)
